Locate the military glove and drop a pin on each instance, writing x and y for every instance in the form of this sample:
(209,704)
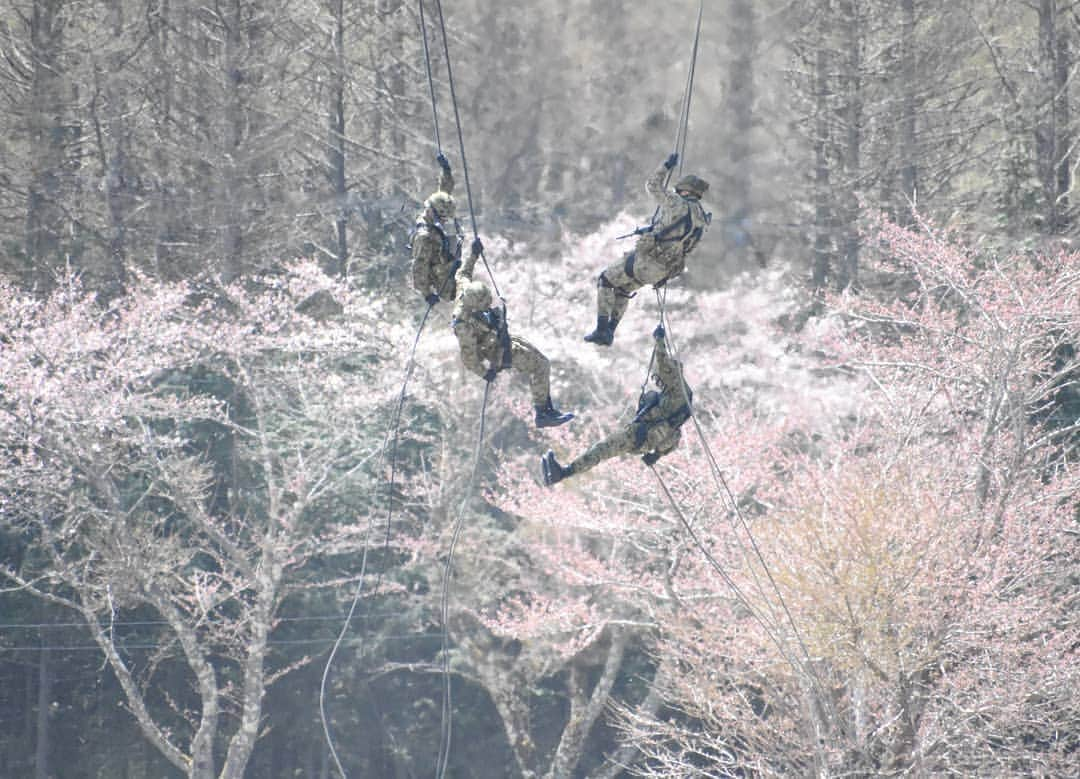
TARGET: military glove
(650,458)
(443,162)
(490,374)
(659,333)
(671,161)
(477,247)
(432,299)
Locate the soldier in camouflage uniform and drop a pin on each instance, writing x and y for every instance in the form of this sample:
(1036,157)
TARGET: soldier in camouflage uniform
(654,430)
(487,346)
(660,252)
(436,242)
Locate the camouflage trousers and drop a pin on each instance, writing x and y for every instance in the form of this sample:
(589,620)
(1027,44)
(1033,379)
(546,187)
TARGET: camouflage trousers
(529,362)
(647,264)
(635,438)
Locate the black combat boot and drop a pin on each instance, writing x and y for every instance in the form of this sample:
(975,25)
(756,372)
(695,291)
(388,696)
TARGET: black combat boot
(604,332)
(553,472)
(549,416)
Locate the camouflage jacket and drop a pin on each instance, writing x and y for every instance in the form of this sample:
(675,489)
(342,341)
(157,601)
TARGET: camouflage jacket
(434,245)
(678,225)
(660,417)
(482,335)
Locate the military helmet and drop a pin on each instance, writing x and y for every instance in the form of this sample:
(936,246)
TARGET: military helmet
(442,203)
(476,296)
(692,184)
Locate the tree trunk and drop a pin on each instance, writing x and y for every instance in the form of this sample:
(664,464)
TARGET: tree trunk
(908,170)
(822,192)
(584,711)
(44,214)
(337,149)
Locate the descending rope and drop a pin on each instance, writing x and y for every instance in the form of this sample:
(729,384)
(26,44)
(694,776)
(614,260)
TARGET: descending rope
(461,143)
(447,710)
(430,79)
(395,424)
(392,437)
(765,623)
(724,489)
(682,130)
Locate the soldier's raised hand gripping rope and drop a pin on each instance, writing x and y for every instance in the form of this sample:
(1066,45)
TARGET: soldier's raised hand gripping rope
(436,241)
(677,225)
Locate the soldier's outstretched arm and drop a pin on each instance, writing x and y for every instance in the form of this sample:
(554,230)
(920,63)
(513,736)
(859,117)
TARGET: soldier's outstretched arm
(446,178)
(669,369)
(465,272)
(655,185)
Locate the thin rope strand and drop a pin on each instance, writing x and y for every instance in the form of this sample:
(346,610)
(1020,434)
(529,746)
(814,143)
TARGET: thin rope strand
(447,707)
(431,80)
(392,435)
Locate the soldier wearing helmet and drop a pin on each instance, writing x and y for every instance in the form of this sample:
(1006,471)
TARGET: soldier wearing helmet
(660,252)
(654,430)
(436,241)
(487,346)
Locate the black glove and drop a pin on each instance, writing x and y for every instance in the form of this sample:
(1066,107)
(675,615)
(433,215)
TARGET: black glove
(650,458)
(490,374)
(659,333)
(477,247)
(671,161)
(432,299)
(443,162)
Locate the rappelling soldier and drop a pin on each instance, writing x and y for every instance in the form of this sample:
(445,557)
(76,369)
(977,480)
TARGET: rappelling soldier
(653,432)
(436,241)
(488,348)
(660,252)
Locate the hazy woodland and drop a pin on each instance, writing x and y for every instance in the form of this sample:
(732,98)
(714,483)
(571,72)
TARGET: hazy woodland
(862,561)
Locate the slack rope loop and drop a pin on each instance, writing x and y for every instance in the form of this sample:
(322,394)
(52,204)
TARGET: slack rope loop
(447,708)
(392,436)
(430,79)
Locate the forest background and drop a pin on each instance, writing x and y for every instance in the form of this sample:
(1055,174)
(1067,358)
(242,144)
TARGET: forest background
(868,563)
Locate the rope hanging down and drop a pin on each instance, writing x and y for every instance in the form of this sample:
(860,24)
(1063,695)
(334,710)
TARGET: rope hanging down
(725,491)
(684,115)
(430,79)
(461,140)
(392,437)
(393,433)
(447,709)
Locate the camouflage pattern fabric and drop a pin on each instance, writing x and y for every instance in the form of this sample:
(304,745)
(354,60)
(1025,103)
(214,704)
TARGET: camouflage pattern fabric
(658,430)
(653,260)
(436,244)
(480,345)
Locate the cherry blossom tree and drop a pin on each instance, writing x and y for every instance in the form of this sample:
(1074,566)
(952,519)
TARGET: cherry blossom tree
(886,584)
(192,458)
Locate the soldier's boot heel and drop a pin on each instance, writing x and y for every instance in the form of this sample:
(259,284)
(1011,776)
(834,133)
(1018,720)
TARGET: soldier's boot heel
(549,416)
(552,471)
(604,332)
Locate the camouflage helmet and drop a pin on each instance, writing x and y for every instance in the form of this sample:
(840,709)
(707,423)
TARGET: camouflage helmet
(476,296)
(442,203)
(692,184)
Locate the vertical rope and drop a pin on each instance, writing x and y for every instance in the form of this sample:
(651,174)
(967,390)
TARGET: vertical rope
(447,707)
(461,143)
(392,437)
(431,81)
